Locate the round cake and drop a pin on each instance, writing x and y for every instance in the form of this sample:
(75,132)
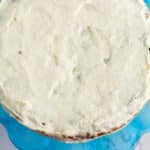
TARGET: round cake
(74,69)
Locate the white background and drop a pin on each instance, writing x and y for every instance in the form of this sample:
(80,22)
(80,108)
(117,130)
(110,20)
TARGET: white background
(5,143)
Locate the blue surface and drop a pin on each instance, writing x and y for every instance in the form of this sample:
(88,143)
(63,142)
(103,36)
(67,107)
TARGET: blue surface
(125,139)
(148,3)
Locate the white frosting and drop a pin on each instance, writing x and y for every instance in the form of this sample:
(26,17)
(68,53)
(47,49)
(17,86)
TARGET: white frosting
(73,67)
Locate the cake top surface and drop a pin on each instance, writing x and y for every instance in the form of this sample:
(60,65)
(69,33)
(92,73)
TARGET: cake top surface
(74,68)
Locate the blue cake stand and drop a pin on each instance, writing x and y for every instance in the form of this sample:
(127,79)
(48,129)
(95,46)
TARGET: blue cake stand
(124,139)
